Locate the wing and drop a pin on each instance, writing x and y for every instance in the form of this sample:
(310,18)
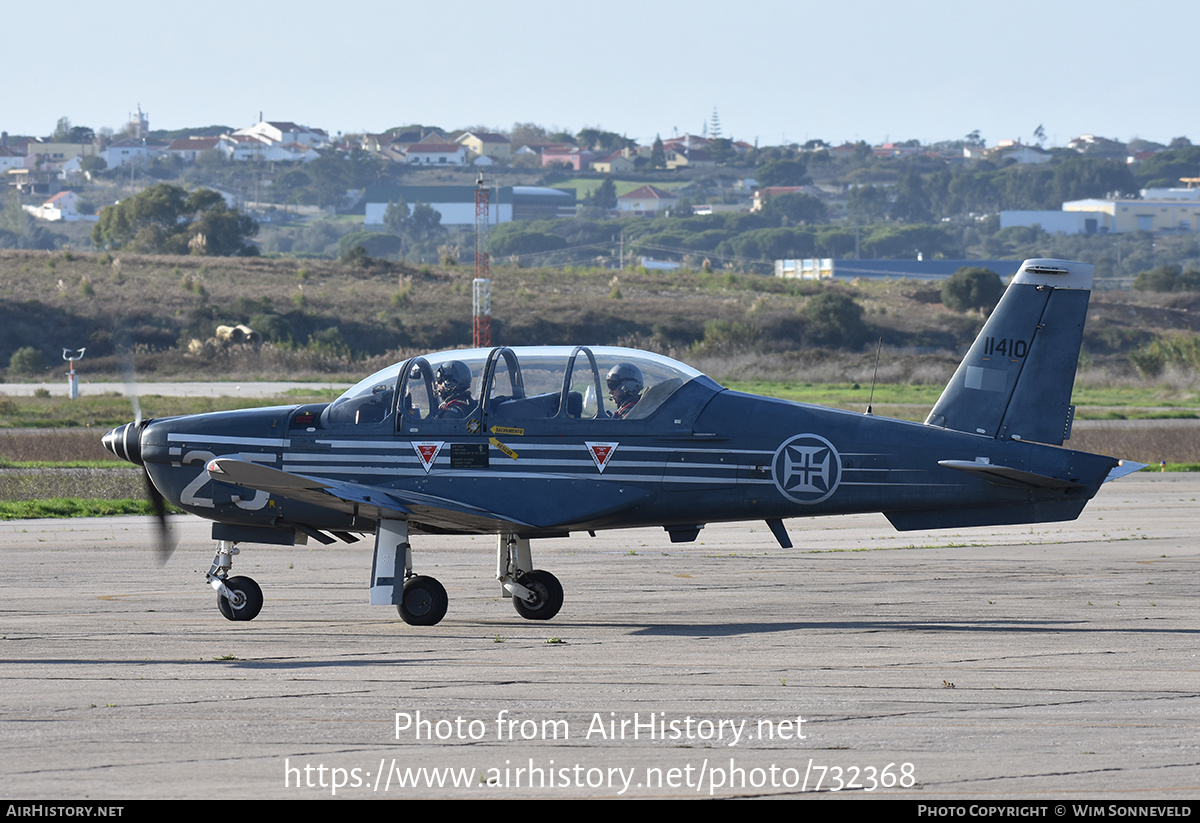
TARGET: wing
(369,501)
(491,504)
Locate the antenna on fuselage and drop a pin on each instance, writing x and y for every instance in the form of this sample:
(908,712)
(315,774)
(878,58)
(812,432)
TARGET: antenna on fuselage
(871,399)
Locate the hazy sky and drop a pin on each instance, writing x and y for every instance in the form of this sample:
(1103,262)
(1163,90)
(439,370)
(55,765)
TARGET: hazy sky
(774,70)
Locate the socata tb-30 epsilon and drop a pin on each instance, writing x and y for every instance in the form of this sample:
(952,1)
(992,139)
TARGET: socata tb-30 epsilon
(539,442)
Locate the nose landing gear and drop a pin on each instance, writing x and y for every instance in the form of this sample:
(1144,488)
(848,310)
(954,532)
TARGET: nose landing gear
(238,598)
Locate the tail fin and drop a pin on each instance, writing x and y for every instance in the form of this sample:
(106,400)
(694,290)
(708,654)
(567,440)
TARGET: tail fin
(1016,380)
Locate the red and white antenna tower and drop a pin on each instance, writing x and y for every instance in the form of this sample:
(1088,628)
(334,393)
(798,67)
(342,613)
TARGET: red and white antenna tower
(481,287)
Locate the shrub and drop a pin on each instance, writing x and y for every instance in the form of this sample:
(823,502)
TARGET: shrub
(834,319)
(1166,278)
(972,288)
(27,360)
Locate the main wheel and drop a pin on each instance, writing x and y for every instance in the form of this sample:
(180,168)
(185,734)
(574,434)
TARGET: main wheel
(424,602)
(251,596)
(549,596)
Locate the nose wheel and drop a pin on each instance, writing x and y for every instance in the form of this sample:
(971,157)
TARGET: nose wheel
(238,598)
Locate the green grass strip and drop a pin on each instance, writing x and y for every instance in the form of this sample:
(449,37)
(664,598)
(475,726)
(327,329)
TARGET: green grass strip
(63,464)
(72,507)
(1173,467)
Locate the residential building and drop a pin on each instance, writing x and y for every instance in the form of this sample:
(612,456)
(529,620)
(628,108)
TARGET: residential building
(572,157)
(62,206)
(124,152)
(9,159)
(617,162)
(1028,155)
(435,150)
(693,158)
(283,132)
(54,155)
(189,148)
(487,144)
(647,200)
(242,147)
(896,150)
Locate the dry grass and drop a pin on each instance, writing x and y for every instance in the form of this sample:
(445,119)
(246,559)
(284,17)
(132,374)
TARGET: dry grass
(1146,441)
(157,303)
(56,445)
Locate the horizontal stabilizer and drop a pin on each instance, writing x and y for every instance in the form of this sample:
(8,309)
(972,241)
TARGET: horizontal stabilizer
(1123,468)
(1004,476)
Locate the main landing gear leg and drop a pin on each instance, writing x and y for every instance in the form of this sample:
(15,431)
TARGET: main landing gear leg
(421,601)
(536,594)
(238,598)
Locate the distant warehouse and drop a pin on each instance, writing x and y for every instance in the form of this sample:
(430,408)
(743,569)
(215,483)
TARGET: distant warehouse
(456,204)
(828,268)
(1157,210)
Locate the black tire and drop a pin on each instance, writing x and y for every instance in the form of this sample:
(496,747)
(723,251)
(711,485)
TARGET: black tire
(424,602)
(250,607)
(549,596)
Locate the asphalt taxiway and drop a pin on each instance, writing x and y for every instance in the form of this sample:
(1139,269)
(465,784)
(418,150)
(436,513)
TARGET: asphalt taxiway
(1050,661)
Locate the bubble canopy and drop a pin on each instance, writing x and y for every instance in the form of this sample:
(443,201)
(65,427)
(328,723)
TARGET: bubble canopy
(514,383)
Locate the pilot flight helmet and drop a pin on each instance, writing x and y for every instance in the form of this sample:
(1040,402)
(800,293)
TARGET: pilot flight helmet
(625,379)
(452,379)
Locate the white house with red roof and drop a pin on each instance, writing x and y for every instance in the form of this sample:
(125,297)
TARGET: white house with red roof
(647,200)
(435,150)
(61,206)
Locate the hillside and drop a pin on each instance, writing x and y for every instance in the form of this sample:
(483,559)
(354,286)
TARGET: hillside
(323,317)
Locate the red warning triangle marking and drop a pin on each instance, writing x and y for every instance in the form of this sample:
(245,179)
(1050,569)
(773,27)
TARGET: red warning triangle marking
(427,451)
(601,453)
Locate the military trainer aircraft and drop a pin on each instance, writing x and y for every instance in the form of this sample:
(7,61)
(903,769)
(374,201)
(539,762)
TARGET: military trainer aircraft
(543,441)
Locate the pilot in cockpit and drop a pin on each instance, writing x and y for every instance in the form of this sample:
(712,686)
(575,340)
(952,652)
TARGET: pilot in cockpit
(452,383)
(625,383)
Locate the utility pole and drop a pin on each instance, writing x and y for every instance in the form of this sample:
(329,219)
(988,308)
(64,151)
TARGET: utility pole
(481,286)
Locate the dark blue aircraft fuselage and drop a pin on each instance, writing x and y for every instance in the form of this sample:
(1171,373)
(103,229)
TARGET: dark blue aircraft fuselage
(706,455)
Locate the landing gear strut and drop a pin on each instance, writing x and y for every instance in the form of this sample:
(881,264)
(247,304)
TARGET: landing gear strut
(536,594)
(238,598)
(421,600)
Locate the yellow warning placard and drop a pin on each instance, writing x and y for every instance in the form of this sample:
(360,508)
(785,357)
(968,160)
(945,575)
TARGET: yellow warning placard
(503,447)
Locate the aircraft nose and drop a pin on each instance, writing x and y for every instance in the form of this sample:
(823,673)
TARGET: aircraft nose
(126,442)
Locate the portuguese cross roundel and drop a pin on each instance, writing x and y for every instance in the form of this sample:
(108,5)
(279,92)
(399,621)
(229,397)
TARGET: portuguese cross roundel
(806,469)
